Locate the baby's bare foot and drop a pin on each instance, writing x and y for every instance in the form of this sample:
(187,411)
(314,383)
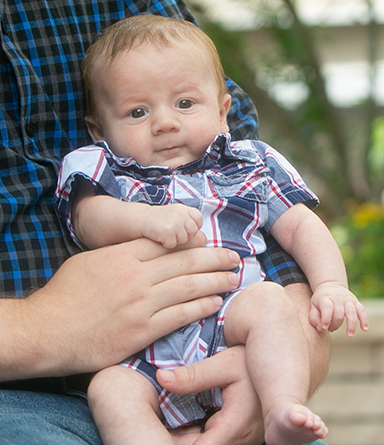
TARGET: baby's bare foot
(293,424)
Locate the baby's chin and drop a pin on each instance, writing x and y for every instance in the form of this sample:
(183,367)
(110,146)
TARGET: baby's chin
(176,160)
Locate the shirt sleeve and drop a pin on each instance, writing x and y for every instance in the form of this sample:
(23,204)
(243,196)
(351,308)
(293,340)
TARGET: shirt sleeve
(242,116)
(278,265)
(87,163)
(287,188)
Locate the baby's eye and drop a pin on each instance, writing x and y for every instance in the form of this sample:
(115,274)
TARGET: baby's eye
(139,112)
(185,103)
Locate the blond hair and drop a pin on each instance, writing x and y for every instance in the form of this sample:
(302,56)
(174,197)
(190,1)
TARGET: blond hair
(137,30)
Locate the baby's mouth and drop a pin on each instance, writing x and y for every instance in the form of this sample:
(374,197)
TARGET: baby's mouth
(169,149)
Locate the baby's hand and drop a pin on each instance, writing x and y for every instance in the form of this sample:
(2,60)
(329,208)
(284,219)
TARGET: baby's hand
(331,302)
(172,225)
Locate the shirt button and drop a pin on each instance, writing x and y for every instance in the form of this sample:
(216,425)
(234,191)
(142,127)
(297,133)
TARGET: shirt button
(154,173)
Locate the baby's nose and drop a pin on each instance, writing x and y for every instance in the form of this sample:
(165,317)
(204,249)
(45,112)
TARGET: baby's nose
(165,121)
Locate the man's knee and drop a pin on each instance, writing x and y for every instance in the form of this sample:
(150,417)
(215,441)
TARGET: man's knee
(28,418)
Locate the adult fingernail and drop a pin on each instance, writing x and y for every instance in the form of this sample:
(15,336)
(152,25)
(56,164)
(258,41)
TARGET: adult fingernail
(233,278)
(234,257)
(166,376)
(218,301)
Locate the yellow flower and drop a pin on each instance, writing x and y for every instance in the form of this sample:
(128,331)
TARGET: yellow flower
(368,213)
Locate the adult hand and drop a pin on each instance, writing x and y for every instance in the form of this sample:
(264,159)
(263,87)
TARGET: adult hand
(239,422)
(106,304)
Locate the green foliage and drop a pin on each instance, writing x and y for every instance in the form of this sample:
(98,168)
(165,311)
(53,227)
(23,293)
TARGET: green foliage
(376,155)
(360,236)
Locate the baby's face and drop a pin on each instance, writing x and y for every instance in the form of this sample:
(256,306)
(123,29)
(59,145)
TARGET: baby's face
(159,106)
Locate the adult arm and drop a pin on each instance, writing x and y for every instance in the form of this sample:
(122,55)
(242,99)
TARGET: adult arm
(104,305)
(318,342)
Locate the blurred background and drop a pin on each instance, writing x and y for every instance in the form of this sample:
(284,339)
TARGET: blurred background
(315,71)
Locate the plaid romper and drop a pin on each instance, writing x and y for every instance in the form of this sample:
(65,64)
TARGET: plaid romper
(238,187)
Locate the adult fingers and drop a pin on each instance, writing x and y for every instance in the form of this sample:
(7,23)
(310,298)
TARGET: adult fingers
(191,261)
(187,259)
(185,288)
(186,435)
(145,249)
(239,421)
(199,240)
(219,371)
(176,316)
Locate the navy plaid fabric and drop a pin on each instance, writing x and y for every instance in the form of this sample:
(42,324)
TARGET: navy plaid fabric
(41,119)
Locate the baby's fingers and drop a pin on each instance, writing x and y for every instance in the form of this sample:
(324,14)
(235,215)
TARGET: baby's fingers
(170,242)
(326,308)
(355,311)
(196,216)
(191,228)
(351,318)
(315,318)
(339,313)
(362,316)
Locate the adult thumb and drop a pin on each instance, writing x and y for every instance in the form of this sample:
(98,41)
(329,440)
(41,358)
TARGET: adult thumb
(218,371)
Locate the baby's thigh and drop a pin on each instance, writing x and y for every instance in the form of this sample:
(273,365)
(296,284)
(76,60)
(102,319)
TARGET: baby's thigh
(253,306)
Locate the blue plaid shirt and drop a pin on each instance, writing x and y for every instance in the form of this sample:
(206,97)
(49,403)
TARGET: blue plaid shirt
(41,119)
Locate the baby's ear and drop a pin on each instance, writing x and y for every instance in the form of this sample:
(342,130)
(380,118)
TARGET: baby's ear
(224,108)
(94,129)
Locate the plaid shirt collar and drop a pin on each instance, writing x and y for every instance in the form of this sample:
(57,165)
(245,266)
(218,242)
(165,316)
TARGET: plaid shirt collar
(219,150)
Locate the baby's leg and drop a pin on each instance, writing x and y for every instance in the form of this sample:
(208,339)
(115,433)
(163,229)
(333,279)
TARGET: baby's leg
(125,408)
(263,318)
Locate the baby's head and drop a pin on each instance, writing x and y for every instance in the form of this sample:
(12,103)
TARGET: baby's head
(155,90)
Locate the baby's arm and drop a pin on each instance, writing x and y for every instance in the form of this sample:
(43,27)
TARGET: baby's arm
(302,234)
(101,220)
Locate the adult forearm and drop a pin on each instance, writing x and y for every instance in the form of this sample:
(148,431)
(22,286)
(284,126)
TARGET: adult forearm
(318,342)
(319,355)
(33,339)
(16,353)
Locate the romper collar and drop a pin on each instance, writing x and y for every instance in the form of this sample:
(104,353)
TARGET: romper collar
(220,150)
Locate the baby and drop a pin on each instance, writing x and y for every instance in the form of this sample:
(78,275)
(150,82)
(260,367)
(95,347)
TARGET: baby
(164,167)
